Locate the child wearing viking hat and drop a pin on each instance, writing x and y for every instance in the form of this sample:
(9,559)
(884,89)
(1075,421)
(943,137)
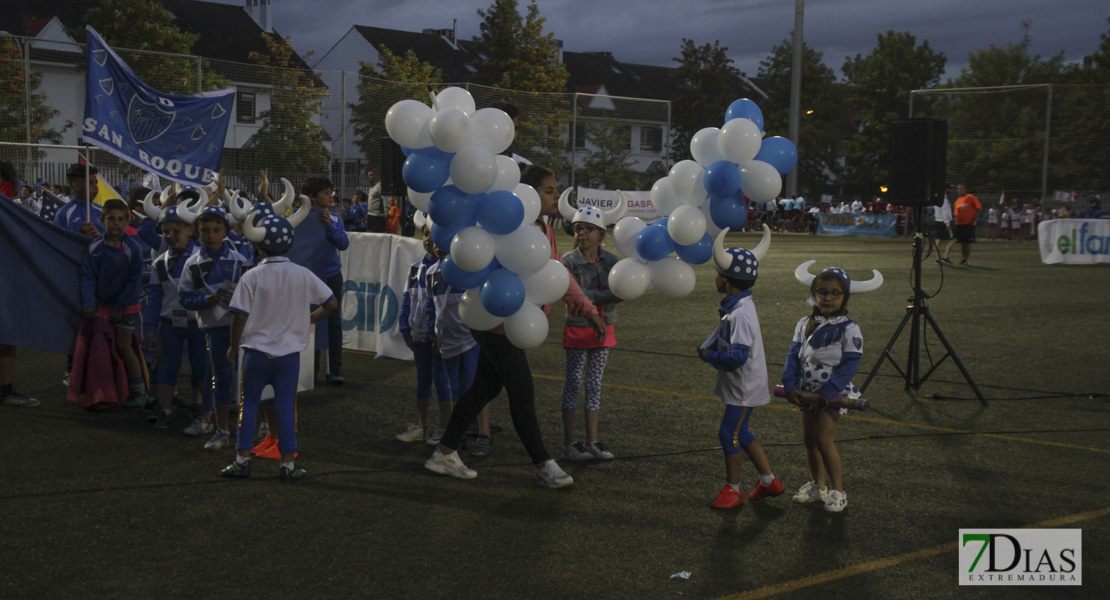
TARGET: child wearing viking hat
(735,350)
(823,357)
(272,323)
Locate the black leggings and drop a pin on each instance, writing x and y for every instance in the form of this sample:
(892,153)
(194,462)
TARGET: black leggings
(500,365)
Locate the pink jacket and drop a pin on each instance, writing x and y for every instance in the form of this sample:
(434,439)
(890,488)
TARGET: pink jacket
(99,373)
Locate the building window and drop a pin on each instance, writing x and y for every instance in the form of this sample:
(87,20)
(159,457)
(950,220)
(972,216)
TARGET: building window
(245,107)
(651,139)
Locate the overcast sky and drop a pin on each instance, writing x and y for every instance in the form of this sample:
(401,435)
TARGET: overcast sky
(650,32)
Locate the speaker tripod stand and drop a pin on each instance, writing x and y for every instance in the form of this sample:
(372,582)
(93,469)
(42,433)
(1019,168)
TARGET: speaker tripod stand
(917,316)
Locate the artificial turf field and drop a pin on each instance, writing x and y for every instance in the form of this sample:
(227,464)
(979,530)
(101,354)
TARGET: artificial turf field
(99,505)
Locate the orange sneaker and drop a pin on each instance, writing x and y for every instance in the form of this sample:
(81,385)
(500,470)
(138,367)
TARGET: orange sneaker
(766,491)
(272,452)
(264,444)
(728,498)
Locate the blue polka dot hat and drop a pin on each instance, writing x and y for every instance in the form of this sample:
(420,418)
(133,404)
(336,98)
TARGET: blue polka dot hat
(740,263)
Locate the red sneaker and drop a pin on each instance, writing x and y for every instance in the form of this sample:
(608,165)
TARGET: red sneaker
(728,498)
(264,445)
(766,491)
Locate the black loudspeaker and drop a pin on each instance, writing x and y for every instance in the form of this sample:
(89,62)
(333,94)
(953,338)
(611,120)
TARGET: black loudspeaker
(918,151)
(393,183)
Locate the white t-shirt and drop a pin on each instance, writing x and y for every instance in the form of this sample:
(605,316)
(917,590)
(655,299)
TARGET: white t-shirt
(746,385)
(275,296)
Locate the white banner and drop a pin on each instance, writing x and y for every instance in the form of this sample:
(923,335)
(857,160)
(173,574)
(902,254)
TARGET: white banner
(375,270)
(639,203)
(1074,241)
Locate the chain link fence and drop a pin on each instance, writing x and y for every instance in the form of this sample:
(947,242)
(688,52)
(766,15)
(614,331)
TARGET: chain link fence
(1046,145)
(295,123)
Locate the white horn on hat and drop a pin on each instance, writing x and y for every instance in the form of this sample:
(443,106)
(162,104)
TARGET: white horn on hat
(803,275)
(286,198)
(760,249)
(862,287)
(615,214)
(253,232)
(167,192)
(237,211)
(189,211)
(302,212)
(720,255)
(419,218)
(148,206)
(565,208)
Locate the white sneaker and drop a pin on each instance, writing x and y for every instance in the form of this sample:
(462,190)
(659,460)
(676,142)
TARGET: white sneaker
(218,441)
(577,452)
(199,428)
(810,493)
(414,433)
(551,476)
(435,437)
(449,464)
(836,502)
(600,451)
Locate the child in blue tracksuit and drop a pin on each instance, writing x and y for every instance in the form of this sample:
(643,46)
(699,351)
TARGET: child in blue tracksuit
(111,281)
(452,341)
(207,283)
(171,324)
(319,191)
(414,328)
(272,324)
(735,350)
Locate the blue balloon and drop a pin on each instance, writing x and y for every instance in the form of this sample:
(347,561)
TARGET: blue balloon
(407,151)
(778,152)
(722,178)
(696,254)
(654,243)
(451,207)
(427,169)
(503,293)
(728,213)
(660,222)
(499,212)
(745,109)
(460,278)
(442,236)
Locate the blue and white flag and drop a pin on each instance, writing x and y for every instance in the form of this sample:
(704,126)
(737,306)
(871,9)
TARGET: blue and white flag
(177,137)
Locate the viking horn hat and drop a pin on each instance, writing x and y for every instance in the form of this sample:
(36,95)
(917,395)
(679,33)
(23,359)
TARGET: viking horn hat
(806,278)
(286,198)
(590,214)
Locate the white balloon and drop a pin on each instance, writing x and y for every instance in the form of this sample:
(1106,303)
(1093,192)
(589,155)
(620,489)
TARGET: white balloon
(739,140)
(686,225)
(662,198)
(450,129)
(420,199)
(710,227)
(406,120)
(474,315)
(687,180)
(759,181)
(548,284)
(703,146)
(624,236)
(629,278)
(473,170)
(508,174)
(523,251)
(671,276)
(527,327)
(493,130)
(472,248)
(530,198)
(455,97)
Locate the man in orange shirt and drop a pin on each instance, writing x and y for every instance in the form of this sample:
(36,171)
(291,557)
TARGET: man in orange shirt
(965,210)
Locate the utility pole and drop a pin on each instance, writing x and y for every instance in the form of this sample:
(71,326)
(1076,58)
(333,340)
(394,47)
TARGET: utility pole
(795,92)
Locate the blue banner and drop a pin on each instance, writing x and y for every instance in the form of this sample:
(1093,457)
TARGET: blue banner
(855,224)
(174,136)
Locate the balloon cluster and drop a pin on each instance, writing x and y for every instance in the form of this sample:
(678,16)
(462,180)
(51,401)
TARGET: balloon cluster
(479,210)
(731,166)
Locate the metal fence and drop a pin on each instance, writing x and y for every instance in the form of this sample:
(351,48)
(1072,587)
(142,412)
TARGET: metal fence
(296,123)
(1043,144)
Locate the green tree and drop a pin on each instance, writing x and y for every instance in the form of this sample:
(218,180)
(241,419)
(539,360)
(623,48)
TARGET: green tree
(823,117)
(290,142)
(394,78)
(608,162)
(515,54)
(879,85)
(705,81)
(146,25)
(16,112)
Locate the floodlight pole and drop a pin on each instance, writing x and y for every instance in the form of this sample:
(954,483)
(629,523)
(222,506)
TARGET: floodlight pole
(796,91)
